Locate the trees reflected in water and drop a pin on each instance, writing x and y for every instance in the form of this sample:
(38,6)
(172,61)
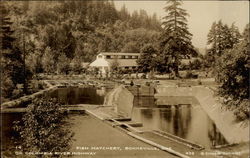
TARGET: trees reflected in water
(216,138)
(185,121)
(72,95)
(177,119)
(147,113)
(181,119)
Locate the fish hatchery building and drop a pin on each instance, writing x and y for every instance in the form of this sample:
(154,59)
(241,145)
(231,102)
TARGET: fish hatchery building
(125,61)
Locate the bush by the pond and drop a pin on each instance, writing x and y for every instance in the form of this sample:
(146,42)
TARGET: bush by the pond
(240,107)
(189,75)
(44,128)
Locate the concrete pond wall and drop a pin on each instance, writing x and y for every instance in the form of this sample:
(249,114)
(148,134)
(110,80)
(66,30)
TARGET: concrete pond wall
(25,99)
(225,120)
(142,90)
(122,100)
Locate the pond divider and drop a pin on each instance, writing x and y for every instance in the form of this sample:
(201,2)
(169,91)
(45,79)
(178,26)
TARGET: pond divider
(142,90)
(179,140)
(69,109)
(102,117)
(161,147)
(223,146)
(118,123)
(52,85)
(126,125)
(26,99)
(14,110)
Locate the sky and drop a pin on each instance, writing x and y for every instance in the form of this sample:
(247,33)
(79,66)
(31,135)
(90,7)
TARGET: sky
(201,14)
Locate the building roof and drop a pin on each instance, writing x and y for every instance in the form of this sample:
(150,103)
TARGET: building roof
(118,53)
(108,62)
(99,62)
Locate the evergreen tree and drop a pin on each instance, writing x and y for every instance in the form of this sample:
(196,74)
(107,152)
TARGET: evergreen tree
(147,60)
(176,39)
(235,35)
(245,34)
(63,64)
(233,67)
(214,39)
(12,61)
(48,62)
(123,14)
(131,47)
(220,38)
(135,20)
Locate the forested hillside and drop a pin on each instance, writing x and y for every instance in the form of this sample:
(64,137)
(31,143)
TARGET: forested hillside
(74,32)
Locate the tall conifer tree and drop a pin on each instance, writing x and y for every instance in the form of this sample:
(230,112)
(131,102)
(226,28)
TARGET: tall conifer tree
(176,39)
(220,38)
(12,62)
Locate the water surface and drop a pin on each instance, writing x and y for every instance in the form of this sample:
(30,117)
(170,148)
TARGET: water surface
(86,95)
(69,95)
(186,121)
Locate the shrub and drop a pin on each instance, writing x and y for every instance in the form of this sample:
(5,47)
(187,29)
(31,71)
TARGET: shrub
(44,128)
(189,74)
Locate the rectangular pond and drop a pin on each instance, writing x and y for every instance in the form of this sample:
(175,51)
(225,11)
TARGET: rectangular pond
(67,96)
(73,95)
(184,120)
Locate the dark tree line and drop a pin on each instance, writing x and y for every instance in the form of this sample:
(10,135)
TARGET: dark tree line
(220,38)
(59,36)
(13,72)
(80,29)
(228,58)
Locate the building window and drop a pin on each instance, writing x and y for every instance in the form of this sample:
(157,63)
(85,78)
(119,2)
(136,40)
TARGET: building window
(123,57)
(129,57)
(108,57)
(126,67)
(99,56)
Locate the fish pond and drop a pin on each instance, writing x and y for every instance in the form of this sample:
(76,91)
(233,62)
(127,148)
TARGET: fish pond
(184,120)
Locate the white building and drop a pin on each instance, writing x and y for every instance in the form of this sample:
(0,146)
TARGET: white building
(104,61)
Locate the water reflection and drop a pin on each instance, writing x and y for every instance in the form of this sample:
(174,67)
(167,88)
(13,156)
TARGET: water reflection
(72,95)
(144,101)
(147,113)
(179,121)
(185,121)
(215,136)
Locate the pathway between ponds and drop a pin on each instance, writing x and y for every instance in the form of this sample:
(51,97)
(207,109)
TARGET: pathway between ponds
(92,135)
